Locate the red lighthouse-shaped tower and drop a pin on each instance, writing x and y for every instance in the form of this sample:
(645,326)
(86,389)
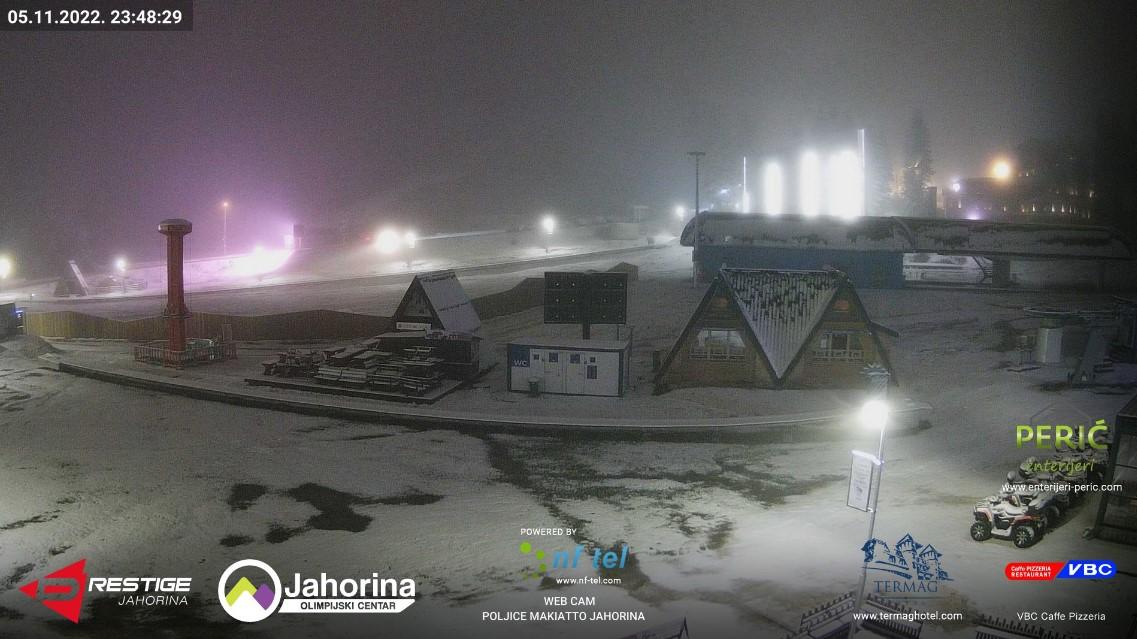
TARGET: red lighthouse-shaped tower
(176,312)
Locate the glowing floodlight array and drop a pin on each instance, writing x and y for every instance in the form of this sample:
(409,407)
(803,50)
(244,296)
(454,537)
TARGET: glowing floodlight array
(5,267)
(844,184)
(772,188)
(388,241)
(120,264)
(549,224)
(809,184)
(834,187)
(260,262)
(680,211)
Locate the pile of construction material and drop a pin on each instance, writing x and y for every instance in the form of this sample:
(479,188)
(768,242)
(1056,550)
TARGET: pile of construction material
(404,362)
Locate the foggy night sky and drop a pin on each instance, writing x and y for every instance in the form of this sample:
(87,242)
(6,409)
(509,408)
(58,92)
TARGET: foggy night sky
(439,113)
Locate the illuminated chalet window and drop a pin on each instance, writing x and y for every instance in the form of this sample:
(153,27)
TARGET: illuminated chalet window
(718,344)
(839,346)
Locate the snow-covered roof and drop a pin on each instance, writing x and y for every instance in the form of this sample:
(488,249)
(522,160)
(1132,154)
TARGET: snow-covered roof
(782,307)
(571,344)
(908,235)
(446,296)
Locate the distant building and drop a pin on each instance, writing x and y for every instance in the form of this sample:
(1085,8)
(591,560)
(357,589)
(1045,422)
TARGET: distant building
(775,329)
(1051,185)
(870,250)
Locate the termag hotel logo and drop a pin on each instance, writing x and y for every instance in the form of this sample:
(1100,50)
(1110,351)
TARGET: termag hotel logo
(250,590)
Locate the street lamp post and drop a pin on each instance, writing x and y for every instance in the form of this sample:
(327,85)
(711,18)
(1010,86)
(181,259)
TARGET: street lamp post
(698,155)
(411,241)
(548,224)
(874,414)
(120,266)
(225,227)
(5,269)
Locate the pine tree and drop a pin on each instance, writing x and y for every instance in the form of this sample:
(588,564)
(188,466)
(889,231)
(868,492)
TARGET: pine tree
(918,169)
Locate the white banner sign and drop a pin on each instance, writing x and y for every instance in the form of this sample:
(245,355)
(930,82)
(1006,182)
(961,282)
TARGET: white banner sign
(863,474)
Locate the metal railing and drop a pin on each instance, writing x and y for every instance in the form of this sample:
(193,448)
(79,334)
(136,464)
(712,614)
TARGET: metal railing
(195,353)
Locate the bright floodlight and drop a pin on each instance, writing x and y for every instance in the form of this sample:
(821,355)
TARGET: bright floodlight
(680,211)
(549,224)
(410,239)
(120,265)
(772,197)
(845,184)
(809,184)
(874,414)
(5,268)
(1001,170)
(955,186)
(388,241)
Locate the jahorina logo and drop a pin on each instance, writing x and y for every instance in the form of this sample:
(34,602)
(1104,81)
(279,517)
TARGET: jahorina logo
(1073,569)
(912,568)
(250,590)
(63,590)
(245,601)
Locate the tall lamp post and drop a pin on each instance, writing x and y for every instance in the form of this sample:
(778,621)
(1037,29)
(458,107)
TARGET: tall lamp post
(225,227)
(120,266)
(5,269)
(698,155)
(548,224)
(873,415)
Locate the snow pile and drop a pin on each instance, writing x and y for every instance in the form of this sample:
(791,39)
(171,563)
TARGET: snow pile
(30,346)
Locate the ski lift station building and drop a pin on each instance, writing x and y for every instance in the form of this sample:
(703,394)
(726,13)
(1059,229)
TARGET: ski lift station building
(776,329)
(870,250)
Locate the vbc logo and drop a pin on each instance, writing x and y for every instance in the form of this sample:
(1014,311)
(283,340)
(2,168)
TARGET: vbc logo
(62,590)
(1048,571)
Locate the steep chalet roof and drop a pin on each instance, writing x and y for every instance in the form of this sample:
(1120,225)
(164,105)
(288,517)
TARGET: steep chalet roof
(782,307)
(446,297)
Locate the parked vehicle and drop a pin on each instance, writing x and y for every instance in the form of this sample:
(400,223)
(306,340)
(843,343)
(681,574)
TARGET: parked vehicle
(1006,517)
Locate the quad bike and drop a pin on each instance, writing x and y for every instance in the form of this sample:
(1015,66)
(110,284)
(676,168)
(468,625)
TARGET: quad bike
(1008,518)
(1047,505)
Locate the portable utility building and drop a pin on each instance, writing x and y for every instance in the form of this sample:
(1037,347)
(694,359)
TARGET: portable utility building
(775,329)
(569,366)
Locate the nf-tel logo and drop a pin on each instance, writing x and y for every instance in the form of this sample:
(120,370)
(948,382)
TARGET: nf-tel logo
(249,590)
(62,590)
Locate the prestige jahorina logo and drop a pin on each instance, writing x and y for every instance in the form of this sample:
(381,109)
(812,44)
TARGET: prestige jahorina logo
(62,591)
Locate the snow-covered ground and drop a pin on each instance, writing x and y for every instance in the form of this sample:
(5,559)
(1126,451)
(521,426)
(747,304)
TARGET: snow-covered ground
(740,538)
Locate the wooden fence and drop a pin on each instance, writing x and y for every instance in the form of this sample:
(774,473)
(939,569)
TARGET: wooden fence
(301,325)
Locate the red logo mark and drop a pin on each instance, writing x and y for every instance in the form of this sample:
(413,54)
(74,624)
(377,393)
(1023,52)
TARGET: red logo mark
(62,590)
(1032,570)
